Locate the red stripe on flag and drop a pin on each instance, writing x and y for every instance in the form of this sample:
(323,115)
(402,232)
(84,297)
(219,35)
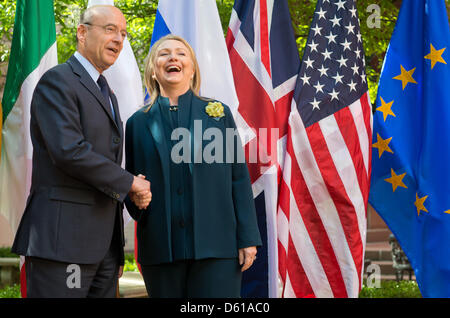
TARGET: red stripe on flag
(264,29)
(282,267)
(336,189)
(288,261)
(315,227)
(136,247)
(229,40)
(297,276)
(251,94)
(23,281)
(283,109)
(283,207)
(350,135)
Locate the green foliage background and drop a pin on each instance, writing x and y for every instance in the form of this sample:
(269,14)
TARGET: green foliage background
(140,16)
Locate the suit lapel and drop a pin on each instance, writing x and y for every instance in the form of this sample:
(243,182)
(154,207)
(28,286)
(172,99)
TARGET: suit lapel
(185,102)
(155,125)
(198,123)
(196,129)
(118,120)
(91,86)
(119,126)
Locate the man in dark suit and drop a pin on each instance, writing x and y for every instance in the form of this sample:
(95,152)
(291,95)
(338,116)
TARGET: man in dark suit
(72,228)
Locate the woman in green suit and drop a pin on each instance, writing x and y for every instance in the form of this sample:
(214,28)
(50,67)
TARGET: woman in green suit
(199,232)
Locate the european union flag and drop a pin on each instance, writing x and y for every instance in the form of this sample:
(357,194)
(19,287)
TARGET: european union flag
(410,185)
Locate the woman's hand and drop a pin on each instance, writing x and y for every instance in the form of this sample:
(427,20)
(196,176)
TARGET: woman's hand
(141,199)
(247,256)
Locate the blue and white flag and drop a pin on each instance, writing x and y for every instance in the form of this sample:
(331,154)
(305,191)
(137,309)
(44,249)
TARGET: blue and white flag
(198,22)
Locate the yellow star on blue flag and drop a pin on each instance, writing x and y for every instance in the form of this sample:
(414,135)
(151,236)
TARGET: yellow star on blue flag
(415,203)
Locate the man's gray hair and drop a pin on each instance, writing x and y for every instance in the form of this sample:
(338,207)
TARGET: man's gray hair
(88,14)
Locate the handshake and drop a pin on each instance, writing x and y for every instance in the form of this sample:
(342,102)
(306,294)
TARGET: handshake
(140,192)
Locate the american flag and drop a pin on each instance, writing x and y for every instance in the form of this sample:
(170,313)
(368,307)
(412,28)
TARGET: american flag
(316,236)
(326,173)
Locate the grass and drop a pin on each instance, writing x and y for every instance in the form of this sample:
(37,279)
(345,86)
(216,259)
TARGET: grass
(130,263)
(10,292)
(392,289)
(389,289)
(6,252)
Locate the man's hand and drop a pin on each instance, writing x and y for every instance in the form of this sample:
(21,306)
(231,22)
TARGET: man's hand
(140,192)
(140,184)
(247,256)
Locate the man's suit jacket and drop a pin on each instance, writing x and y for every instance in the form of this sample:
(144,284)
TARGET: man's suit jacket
(224,217)
(77,185)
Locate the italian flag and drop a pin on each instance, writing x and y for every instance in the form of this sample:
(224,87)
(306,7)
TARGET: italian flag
(33,52)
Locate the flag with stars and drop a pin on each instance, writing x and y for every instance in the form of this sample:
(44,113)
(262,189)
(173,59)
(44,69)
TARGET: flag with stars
(410,186)
(326,171)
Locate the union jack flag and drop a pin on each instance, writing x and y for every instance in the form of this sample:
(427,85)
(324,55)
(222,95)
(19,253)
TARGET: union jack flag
(312,194)
(265,63)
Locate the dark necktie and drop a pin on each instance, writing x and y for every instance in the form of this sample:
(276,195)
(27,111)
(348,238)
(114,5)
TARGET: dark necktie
(104,88)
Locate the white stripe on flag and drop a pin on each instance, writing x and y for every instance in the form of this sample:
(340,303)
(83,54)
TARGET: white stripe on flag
(322,199)
(346,170)
(268,183)
(235,23)
(253,62)
(285,88)
(303,244)
(288,290)
(344,165)
(358,117)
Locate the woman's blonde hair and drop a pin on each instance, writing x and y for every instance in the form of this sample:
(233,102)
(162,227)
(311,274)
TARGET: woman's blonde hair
(151,83)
